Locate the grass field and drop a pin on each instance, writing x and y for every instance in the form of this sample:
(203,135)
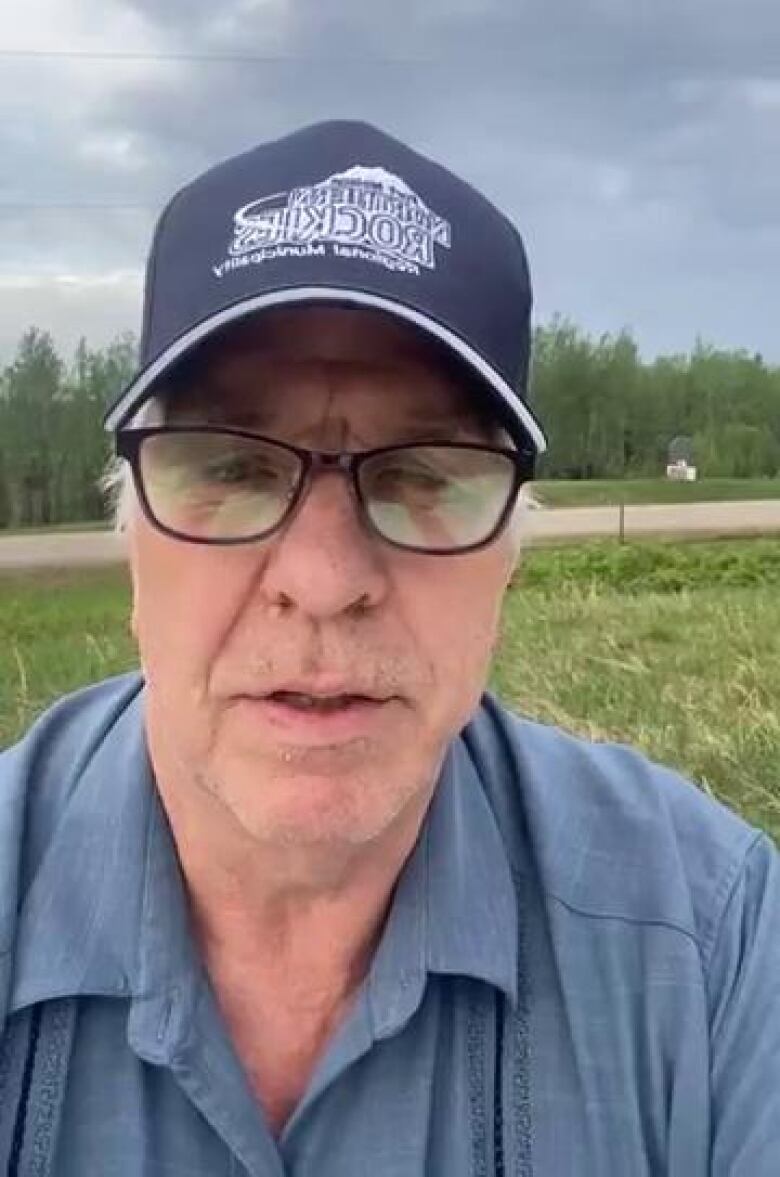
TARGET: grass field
(600,493)
(672,648)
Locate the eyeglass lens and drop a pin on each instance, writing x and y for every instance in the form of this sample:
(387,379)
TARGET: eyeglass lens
(221,486)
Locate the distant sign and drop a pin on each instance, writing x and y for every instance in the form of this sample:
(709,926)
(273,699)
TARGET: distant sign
(680,472)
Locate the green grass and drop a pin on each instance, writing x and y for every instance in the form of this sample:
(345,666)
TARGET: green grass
(58,630)
(654,566)
(675,649)
(604,493)
(691,678)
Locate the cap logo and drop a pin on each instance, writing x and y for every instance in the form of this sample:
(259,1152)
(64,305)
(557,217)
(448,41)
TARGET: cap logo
(364,213)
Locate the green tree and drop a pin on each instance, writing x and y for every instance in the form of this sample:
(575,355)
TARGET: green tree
(52,445)
(31,425)
(608,413)
(95,379)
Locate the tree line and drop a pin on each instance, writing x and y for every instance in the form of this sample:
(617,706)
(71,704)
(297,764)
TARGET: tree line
(608,414)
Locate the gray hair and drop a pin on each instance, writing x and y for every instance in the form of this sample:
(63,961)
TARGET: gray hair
(116,482)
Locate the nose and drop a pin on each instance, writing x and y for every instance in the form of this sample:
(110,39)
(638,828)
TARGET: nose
(323,562)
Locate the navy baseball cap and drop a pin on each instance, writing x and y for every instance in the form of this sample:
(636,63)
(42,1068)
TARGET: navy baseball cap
(340,213)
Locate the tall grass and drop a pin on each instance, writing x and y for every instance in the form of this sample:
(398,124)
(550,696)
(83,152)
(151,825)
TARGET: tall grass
(595,492)
(692,678)
(675,649)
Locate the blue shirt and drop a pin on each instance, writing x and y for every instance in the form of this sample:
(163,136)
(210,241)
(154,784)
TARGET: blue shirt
(579,974)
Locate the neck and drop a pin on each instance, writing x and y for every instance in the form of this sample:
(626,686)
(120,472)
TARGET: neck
(306,918)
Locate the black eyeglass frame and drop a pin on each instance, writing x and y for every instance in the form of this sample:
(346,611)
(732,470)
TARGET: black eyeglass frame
(128,444)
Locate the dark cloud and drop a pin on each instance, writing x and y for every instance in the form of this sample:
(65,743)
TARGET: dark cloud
(609,36)
(636,147)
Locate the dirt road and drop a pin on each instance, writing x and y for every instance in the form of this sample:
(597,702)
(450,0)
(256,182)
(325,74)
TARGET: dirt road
(686,520)
(78,549)
(59,550)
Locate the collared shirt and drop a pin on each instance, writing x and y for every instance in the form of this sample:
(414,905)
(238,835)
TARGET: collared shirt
(580,973)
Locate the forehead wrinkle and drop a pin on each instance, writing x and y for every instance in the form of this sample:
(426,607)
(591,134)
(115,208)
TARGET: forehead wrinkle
(330,430)
(250,387)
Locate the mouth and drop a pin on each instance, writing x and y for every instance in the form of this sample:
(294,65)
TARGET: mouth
(320,704)
(320,717)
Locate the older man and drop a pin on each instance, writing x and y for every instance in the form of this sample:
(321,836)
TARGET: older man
(302,899)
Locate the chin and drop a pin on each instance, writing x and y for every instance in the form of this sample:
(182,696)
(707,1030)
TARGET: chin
(315,809)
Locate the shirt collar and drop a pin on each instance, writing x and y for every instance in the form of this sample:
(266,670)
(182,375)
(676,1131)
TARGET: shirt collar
(109,871)
(455,909)
(107,913)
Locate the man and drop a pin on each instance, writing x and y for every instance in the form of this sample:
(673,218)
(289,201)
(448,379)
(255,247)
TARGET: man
(302,899)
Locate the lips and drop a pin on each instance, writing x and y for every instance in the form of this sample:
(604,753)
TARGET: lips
(306,701)
(317,717)
(324,688)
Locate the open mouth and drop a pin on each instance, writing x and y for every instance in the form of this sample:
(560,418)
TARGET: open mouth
(324,704)
(313,717)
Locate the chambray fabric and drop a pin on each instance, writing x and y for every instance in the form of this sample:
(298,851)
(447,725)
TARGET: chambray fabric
(580,974)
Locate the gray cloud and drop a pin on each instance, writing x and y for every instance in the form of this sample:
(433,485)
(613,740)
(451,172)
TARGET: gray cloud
(638,151)
(616,39)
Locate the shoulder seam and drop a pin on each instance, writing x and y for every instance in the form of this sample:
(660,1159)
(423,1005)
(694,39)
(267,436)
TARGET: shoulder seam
(617,917)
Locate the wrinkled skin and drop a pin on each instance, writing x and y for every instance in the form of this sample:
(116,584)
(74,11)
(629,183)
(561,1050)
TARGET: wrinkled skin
(220,627)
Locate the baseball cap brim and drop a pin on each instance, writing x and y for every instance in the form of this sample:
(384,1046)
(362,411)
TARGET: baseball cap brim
(512,409)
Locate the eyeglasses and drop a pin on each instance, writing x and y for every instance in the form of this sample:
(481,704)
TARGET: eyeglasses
(213,485)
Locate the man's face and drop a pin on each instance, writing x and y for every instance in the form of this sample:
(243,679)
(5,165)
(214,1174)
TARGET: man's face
(231,637)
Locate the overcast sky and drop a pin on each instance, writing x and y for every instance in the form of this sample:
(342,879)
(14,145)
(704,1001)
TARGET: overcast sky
(635,143)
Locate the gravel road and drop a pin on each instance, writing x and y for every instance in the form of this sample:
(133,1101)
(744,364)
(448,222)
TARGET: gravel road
(81,549)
